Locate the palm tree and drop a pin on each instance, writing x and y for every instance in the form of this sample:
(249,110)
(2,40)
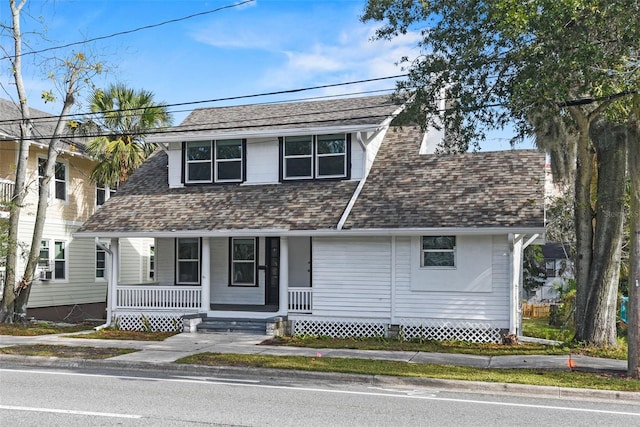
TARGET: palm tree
(123,118)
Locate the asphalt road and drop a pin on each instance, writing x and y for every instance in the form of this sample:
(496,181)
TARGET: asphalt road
(39,397)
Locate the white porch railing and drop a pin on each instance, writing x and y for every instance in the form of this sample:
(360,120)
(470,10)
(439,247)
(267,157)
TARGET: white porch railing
(300,300)
(158,297)
(6,190)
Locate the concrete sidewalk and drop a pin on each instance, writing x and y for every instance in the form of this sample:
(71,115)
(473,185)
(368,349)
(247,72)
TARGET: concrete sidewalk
(159,355)
(185,344)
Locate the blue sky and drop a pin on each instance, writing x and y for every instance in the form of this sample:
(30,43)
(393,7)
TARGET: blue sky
(263,46)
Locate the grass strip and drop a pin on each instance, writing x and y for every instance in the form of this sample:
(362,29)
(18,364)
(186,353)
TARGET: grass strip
(65,351)
(41,328)
(383,367)
(117,334)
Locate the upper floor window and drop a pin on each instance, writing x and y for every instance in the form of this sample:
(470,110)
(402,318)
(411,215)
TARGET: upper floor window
(438,251)
(59,178)
(104,192)
(214,161)
(319,156)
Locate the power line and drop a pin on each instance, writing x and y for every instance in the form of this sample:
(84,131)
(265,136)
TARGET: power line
(214,100)
(146,27)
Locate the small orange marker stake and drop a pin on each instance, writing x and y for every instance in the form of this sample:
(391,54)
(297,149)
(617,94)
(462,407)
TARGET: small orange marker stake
(571,363)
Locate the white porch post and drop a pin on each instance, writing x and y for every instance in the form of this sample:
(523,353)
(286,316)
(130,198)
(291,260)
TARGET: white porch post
(284,277)
(114,273)
(516,271)
(205,279)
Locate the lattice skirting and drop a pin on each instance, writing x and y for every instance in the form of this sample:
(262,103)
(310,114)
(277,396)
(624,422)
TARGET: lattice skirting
(149,321)
(406,329)
(447,330)
(339,328)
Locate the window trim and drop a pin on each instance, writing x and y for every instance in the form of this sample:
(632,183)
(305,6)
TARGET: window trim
(151,263)
(52,183)
(315,176)
(213,162)
(178,260)
(256,253)
(108,192)
(453,250)
(104,268)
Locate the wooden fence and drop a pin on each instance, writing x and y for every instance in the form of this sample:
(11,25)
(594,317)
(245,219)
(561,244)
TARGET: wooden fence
(535,311)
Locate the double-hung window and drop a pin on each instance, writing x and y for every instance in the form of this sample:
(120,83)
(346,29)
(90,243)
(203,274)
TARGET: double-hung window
(243,262)
(439,251)
(104,192)
(152,262)
(101,263)
(315,156)
(53,265)
(188,261)
(59,178)
(214,161)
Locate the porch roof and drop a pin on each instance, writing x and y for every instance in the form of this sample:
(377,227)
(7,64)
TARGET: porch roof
(146,204)
(501,189)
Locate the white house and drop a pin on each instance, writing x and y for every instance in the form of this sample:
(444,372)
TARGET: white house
(70,282)
(325,215)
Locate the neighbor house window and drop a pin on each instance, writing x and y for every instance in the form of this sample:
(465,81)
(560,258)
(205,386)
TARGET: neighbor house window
(188,261)
(152,262)
(101,263)
(59,178)
(243,262)
(44,261)
(104,192)
(550,267)
(319,156)
(60,260)
(214,161)
(438,251)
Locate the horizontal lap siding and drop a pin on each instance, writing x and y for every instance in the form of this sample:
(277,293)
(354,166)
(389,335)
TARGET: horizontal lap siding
(352,277)
(221,292)
(485,306)
(81,286)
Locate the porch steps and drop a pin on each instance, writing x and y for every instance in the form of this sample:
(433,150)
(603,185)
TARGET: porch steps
(243,326)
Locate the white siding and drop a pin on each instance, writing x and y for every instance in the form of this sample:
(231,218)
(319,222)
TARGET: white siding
(352,277)
(262,161)
(134,260)
(221,292)
(357,158)
(446,304)
(174,155)
(165,261)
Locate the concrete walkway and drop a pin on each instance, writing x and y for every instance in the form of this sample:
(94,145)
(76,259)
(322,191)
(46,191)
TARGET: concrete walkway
(159,355)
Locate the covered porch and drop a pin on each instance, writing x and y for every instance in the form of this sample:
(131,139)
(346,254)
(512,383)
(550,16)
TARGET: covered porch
(216,277)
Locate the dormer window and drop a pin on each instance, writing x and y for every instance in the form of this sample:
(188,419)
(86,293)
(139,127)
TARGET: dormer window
(315,156)
(214,161)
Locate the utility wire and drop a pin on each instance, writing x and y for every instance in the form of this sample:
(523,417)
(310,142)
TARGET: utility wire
(146,27)
(206,101)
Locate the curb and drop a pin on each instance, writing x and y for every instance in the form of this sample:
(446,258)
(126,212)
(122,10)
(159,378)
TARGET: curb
(229,372)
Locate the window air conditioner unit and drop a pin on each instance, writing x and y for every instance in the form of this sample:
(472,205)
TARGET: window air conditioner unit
(46,275)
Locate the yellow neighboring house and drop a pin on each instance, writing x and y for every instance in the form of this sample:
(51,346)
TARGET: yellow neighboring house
(71,278)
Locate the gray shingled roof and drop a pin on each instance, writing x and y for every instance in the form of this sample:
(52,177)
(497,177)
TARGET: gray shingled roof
(146,204)
(44,125)
(485,189)
(371,110)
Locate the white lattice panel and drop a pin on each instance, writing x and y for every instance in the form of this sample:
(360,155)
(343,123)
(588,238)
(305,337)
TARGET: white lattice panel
(154,322)
(446,330)
(337,328)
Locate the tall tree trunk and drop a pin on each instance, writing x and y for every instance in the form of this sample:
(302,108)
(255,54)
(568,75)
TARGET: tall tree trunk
(600,310)
(19,191)
(634,255)
(583,217)
(55,146)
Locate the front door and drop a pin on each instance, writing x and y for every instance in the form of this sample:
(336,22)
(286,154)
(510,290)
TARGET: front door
(272,279)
